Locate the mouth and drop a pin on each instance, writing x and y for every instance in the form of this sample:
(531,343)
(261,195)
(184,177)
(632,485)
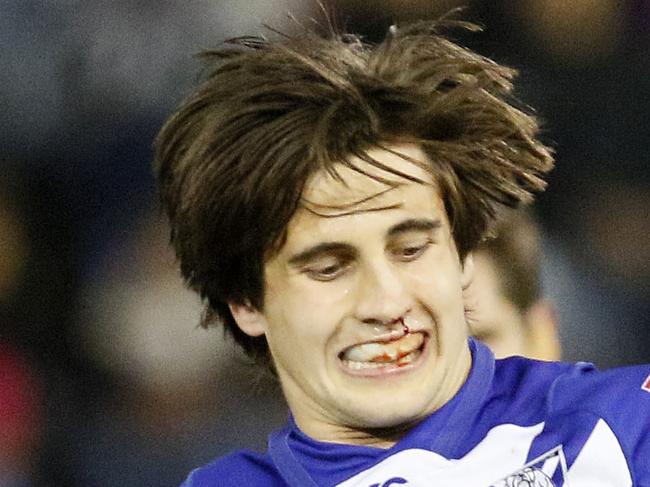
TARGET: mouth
(380,357)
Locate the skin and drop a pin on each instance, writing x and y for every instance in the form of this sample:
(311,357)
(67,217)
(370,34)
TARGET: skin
(494,319)
(501,325)
(353,275)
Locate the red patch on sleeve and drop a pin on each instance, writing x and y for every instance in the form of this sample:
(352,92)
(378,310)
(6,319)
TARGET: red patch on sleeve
(646,384)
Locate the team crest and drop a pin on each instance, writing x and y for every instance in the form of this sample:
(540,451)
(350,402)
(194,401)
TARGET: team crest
(547,470)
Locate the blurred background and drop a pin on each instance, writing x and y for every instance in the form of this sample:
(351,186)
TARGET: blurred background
(105,378)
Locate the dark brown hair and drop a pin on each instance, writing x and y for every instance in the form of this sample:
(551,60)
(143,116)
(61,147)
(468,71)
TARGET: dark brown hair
(232,161)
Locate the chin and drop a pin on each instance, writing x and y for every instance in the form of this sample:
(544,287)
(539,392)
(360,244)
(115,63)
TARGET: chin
(390,415)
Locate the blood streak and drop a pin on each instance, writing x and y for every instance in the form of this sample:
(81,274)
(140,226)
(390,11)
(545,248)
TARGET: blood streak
(404,326)
(387,358)
(383,358)
(402,363)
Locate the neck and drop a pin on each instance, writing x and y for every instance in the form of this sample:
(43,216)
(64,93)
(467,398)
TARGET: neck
(383,438)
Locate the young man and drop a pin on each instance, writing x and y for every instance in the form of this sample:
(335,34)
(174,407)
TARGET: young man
(507,310)
(325,197)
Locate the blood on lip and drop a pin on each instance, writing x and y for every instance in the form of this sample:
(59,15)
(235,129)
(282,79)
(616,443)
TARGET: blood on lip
(394,357)
(383,363)
(405,327)
(389,359)
(384,358)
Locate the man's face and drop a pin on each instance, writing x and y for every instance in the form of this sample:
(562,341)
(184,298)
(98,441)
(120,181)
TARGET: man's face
(363,307)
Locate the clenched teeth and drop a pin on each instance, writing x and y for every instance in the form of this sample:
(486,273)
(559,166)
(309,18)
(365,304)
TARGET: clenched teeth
(400,362)
(377,354)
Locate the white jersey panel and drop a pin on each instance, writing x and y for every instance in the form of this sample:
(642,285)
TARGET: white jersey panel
(601,449)
(502,451)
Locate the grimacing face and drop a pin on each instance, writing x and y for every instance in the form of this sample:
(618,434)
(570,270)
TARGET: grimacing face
(363,306)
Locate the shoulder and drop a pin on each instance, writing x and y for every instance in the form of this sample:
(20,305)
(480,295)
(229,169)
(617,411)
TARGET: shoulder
(605,393)
(575,386)
(521,387)
(525,377)
(619,399)
(244,467)
(525,372)
(593,413)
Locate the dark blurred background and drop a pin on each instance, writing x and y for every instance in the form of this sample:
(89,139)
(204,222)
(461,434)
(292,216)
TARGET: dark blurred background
(104,377)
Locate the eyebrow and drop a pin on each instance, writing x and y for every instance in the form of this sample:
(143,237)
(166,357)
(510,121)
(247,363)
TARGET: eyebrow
(414,225)
(411,225)
(321,249)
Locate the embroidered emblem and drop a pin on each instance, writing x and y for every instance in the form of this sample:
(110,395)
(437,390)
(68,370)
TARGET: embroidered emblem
(646,384)
(528,477)
(547,470)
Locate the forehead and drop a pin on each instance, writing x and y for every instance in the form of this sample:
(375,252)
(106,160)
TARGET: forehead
(356,206)
(361,186)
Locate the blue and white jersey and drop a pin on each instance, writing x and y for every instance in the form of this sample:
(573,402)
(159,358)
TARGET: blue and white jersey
(515,422)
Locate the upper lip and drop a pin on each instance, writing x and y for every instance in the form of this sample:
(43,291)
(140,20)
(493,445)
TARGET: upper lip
(383,338)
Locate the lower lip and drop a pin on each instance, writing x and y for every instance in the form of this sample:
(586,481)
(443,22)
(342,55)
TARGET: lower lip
(389,369)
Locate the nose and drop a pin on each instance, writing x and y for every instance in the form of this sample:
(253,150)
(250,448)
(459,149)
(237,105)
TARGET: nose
(382,296)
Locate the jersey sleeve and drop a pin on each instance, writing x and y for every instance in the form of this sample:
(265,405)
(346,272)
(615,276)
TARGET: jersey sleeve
(621,398)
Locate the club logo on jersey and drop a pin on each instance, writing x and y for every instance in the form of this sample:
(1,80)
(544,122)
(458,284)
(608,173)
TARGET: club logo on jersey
(646,384)
(547,470)
(528,477)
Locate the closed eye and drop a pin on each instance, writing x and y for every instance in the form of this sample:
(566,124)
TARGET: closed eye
(327,272)
(411,252)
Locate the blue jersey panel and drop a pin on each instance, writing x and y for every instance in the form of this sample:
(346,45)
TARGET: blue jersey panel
(514,422)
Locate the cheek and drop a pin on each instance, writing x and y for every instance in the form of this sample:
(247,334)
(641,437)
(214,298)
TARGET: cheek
(437,276)
(442,277)
(307,313)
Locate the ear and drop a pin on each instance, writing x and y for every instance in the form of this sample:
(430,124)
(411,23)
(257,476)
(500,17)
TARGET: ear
(249,319)
(467,272)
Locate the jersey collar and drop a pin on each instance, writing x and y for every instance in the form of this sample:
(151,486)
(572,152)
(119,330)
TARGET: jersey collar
(294,453)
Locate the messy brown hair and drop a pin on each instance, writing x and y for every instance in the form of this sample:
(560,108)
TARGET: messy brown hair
(233,160)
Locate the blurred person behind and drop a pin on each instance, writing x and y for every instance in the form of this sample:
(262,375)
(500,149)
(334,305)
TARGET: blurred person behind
(508,311)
